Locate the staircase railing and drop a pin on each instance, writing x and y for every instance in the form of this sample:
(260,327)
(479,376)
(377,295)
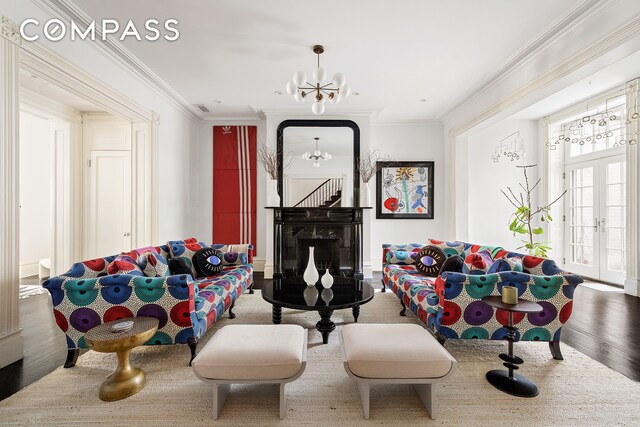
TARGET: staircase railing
(322,194)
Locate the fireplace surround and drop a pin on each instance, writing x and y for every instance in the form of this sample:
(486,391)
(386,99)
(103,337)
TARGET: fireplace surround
(336,233)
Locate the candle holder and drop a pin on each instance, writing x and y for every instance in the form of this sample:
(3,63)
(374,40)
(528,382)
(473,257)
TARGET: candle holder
(510,295)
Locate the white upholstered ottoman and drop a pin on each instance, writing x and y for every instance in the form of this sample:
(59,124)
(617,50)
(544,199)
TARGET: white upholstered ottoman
(250,354)
(394,354)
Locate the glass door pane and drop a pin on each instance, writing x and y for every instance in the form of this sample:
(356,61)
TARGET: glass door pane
(613,220)
(581,219)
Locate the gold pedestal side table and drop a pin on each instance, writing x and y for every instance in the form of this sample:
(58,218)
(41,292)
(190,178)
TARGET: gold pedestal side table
(126,380)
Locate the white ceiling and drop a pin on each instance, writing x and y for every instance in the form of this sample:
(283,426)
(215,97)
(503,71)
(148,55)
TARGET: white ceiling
(393,53)
(51,91)
(615,74)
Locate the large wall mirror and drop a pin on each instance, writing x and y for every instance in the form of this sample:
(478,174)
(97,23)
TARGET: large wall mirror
(317,163)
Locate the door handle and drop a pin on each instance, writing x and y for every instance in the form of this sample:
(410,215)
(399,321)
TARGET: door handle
(602,228)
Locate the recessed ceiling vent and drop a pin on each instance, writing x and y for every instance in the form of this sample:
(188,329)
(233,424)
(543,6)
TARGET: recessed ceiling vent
(203,108)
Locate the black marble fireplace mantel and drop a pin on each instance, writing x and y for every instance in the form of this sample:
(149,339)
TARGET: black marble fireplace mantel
(336,233)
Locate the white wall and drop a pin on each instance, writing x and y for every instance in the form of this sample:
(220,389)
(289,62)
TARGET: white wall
(177,132)
(415,142)
(35,192)
(488,211)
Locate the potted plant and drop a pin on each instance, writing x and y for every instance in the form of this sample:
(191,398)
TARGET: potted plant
(367,167)
(523,220)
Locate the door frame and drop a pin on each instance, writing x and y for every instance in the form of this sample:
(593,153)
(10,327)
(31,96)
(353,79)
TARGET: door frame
(49,66)
(598,271)
(64,150)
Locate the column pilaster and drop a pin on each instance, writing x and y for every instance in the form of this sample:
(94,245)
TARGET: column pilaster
(11,346)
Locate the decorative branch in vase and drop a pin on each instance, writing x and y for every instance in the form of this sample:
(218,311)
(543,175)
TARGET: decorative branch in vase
(522,221)
(367,168)
(268,157)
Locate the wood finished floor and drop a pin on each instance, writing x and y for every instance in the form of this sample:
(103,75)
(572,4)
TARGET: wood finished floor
(604,325)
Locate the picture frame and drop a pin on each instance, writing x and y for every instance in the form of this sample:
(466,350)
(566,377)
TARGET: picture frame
(404,190)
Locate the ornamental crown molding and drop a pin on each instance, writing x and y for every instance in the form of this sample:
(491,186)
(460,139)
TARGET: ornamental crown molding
(11,31)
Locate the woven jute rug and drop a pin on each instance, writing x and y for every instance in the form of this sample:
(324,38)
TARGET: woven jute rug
(576,391)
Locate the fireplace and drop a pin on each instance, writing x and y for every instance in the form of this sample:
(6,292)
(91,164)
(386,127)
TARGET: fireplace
(326,254)
(336,234)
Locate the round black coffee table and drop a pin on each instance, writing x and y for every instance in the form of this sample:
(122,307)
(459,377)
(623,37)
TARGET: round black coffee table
(507,381)
(294,293)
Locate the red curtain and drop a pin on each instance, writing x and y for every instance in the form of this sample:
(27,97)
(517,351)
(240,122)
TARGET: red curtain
(234,184)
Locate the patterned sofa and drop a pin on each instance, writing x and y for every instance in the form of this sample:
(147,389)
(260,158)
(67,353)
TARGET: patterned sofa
(86,296)
(450,304)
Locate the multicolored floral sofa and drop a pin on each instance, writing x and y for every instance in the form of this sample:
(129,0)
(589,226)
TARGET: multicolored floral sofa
(87,295)
(450,304)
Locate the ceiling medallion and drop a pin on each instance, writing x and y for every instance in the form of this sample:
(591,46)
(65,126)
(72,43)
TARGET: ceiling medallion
(316,155)
(334,90)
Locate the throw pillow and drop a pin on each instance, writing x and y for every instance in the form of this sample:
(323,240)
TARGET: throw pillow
(506,264)
(477,263)
(153,264)
(400,257)
(234,258)
(449,248)
(186,252)
(179,266)
(208,262)
(124,264)
(453,264)
(430,260)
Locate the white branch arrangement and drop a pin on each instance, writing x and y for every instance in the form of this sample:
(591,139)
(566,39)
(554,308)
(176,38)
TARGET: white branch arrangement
(368,165)
(268,157)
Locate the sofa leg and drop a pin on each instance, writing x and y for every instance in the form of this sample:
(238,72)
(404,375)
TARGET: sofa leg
(193,344)
(251,288)
(384,287)
(72,357)
(554,346)
(403,312)
(232,315)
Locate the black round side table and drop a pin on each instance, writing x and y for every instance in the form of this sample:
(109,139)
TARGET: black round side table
(508,381)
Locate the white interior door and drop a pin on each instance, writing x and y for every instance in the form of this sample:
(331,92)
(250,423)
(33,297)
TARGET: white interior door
(108,229)
(595,219)
(613,219)
(581,219)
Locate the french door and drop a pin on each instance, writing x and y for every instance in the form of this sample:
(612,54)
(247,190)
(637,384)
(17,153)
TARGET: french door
(595,218)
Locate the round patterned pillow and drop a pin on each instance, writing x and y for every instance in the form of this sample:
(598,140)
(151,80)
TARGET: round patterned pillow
(208,262)
(429,260)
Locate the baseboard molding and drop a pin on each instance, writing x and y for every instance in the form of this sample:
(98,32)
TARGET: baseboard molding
(367,270)
(259,264)
(268,271)
(11,348)
(632,287)
(30,269)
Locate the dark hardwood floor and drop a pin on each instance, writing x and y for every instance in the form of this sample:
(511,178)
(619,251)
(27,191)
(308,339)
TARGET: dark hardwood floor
(604,325)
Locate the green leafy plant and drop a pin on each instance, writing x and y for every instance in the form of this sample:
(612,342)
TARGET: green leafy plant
(523,220)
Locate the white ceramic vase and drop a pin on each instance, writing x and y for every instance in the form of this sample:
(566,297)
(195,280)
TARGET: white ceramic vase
(365,195)
(310,294)
(327,280)
(273,199)
(311,275)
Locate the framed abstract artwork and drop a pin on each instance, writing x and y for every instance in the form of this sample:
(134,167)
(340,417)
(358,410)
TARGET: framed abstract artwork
(404,190)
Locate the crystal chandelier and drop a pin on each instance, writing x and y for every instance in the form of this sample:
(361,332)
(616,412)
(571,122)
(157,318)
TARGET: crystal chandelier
(316,155)
(334,90)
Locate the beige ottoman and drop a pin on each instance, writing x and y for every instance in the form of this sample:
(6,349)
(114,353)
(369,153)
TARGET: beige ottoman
(394,354)
(250,354)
